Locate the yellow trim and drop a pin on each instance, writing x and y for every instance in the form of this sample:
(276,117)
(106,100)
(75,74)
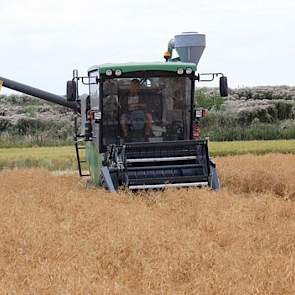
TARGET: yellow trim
(1,84)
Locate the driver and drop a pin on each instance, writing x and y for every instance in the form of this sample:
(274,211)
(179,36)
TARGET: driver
(134,104)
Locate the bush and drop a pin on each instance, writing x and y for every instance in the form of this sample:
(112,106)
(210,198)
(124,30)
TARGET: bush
(31,131)
(209,102)
(5,124)
(284,110)
(224,126)
(265,92)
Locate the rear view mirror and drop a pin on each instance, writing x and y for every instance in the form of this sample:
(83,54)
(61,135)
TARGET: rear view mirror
(223,89)
(71,90)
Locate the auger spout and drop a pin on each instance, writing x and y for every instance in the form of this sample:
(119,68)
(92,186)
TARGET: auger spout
(38,93)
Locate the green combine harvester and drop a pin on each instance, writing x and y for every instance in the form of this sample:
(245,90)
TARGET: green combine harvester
(139,123)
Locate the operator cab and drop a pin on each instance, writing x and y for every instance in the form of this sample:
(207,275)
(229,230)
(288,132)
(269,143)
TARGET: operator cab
(148,102)
(146,108)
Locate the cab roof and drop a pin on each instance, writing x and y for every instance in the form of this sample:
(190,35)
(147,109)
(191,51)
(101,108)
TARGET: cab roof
(135,67)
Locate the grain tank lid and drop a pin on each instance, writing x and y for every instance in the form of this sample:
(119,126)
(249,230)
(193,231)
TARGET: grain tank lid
(190,46)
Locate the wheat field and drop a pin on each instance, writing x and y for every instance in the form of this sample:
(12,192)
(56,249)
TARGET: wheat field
(62,236)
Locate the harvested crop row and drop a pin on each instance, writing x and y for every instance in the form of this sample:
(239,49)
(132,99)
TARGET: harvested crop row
(57,236)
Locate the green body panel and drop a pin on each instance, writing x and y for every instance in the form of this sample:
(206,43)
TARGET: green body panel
(134,67)
(94,162)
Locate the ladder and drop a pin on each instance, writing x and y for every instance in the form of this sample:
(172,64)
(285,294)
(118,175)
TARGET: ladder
(80,145)
(79,140)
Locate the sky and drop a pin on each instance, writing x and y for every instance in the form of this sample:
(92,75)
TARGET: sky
(252,42)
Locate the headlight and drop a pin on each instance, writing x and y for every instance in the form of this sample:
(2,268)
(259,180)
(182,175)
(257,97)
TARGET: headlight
(109,72)
(118,72)
(180,71)
(188,71)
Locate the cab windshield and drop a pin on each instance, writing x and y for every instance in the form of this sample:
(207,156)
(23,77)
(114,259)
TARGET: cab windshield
(152,109)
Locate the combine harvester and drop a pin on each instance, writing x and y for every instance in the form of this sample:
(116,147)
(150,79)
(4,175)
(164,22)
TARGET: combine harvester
(139,121)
